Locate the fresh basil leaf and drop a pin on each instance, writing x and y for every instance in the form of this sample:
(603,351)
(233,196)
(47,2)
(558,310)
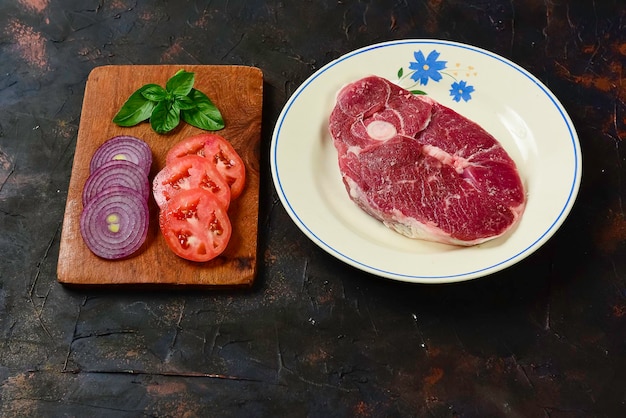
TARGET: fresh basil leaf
(136,109)
(165,106)
(181,83)
(165,117)
(154,92)
(184,103)
(205,115)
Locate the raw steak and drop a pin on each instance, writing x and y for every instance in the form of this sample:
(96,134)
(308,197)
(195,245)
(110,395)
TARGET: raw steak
(421,168)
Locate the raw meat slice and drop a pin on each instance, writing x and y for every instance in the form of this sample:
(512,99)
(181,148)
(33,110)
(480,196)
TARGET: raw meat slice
(421,168)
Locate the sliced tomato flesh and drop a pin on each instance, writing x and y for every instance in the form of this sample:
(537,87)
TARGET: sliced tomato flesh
(193,145)
(195,225)
(220,152)
(187,173)
(228,163)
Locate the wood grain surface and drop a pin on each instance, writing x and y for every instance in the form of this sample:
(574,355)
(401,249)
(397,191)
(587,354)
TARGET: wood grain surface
(237,91)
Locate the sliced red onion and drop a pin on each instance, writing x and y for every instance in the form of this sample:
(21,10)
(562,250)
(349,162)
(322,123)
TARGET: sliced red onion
(116,173)
(123,147)
(114,224)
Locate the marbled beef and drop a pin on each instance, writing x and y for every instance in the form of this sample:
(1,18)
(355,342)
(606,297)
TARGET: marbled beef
(421,168)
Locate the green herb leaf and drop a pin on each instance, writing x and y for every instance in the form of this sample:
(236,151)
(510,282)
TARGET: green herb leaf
(184,103)
(154,92)
(165,117)
(165,106)
(205,115)
(181,83)
(418,92)
(136,109)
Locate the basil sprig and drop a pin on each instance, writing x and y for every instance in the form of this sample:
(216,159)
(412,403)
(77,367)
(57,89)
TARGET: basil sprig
(166,106)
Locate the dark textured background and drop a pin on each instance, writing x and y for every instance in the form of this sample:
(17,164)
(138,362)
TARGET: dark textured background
(314,337)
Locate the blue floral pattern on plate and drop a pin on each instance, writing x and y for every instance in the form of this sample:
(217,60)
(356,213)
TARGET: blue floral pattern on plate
(430,67)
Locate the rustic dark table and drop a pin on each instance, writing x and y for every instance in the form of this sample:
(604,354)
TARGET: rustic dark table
(313,337)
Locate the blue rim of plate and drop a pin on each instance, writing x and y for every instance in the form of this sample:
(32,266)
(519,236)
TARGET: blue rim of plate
(435,279)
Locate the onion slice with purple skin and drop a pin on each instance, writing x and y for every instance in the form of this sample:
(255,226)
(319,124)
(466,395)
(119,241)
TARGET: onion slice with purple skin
(116,173)
(114,224)
(123,147)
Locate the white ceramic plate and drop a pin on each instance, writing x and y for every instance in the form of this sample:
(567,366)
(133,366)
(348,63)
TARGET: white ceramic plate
(503,98)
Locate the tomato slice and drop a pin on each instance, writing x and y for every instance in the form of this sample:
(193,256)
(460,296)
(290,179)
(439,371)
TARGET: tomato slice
(195,225)
(189,172)
(228,163)
(194,145)
(218,150)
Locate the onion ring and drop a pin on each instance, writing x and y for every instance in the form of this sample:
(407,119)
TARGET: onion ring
(116,173)
(114,223)
(123,147)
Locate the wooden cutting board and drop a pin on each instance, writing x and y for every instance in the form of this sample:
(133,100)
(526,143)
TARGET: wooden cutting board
(237,91)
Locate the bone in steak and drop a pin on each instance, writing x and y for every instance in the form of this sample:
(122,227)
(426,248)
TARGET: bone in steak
(421,168)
